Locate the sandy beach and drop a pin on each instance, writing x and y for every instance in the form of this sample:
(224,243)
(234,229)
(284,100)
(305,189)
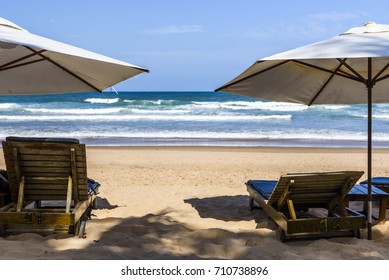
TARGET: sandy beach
(191,203)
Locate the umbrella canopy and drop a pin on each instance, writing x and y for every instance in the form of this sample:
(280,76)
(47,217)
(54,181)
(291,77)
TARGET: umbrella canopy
(31,64)
(351,68)
(328,72)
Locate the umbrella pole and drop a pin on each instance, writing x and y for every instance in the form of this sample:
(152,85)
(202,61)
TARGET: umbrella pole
(369,85)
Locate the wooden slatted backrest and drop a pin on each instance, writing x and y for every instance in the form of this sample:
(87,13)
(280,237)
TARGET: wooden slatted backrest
(46,167)
(314,188)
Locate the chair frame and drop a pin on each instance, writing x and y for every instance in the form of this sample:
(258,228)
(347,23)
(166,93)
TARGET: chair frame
(296,192)
(44,174)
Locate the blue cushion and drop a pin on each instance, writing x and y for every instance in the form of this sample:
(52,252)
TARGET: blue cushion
(93,186)
(378,181)
(264,187)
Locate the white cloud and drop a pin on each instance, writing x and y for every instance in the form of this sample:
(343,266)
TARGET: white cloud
(174,29)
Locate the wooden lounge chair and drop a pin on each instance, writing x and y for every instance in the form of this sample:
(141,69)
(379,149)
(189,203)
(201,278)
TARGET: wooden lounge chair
(48,186)
(287,202)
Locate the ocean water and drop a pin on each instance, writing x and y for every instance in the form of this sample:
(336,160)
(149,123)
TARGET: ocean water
(189,118)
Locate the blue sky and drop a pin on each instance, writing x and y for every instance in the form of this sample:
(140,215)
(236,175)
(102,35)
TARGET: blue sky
(190,45)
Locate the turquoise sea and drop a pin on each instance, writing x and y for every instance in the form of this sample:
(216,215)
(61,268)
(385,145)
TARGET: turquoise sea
(189,118)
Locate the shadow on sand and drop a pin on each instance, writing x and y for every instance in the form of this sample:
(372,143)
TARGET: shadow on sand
(229,209)
(158,236)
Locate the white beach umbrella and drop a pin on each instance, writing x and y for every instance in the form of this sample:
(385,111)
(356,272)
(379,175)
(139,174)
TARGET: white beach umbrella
(351,68)
(31,64)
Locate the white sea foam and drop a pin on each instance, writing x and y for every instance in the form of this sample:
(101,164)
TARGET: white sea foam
(245,105)
(160,112)
(151,102)
(375,116)
(88,111)
(159,119)
(102,100)
(9,106)
(254,135)
(332,107)
(144,117)
(381,116)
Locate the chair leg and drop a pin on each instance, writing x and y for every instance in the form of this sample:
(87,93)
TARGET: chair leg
(94,203)
(2,231)
(382,213)
(281,235)
(81,225)
(358,233)
(251,203)
(81,230)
